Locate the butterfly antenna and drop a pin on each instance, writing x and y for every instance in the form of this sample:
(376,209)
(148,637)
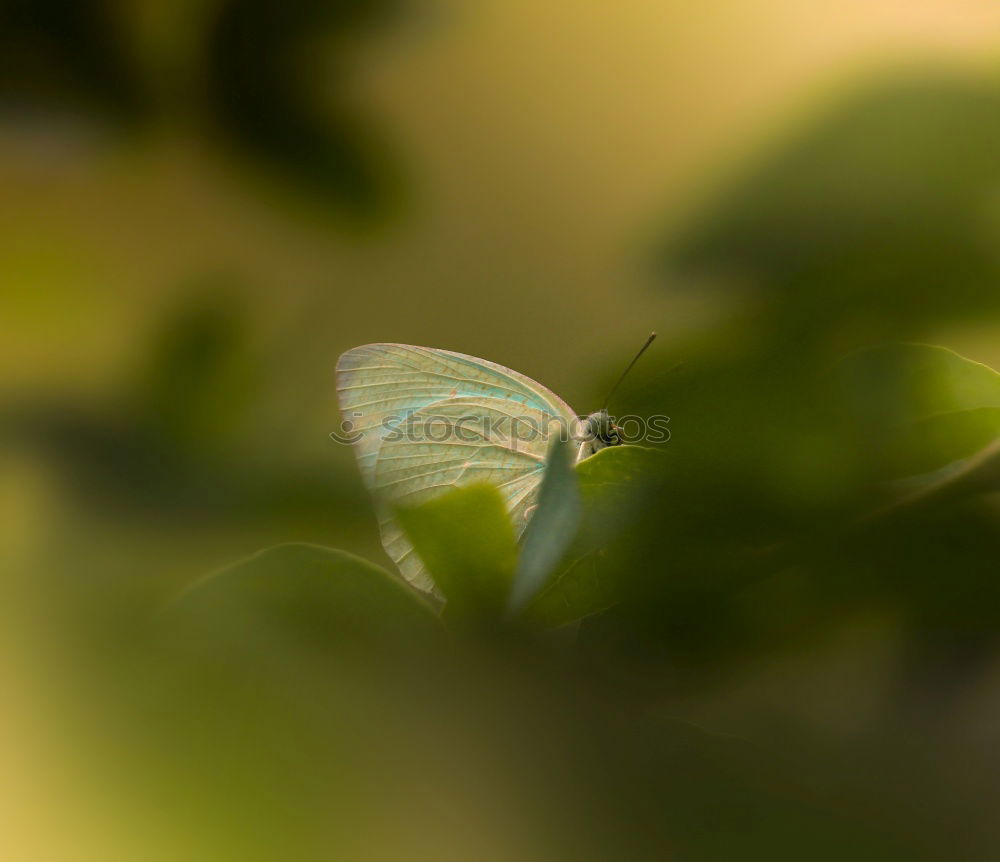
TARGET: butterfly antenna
(635,359)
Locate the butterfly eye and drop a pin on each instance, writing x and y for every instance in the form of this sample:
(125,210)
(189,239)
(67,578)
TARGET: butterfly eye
(611,437)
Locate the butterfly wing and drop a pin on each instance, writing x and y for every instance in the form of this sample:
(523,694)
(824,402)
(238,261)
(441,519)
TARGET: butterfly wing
(428,420)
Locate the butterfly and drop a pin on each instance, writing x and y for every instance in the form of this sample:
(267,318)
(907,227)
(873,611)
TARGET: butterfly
(425,420)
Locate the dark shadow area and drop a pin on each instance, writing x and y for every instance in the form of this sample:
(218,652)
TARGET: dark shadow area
(264,79)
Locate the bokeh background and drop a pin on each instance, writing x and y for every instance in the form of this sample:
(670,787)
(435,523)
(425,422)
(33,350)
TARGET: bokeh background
(205,202)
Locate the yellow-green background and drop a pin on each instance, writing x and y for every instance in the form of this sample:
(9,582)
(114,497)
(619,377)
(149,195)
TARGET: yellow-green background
(536,156)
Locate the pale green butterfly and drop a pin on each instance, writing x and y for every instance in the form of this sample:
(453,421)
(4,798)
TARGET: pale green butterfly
(426,420)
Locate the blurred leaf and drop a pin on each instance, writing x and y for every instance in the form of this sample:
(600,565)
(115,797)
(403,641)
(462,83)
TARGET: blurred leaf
(978,474)
(943,439)
(272,81)
(922,407)
(612,484)
(881,214)
(269,74)
(551,529)
(466,540)
(201,378)
(318,597)
(63,53)
(921,380)
(580,588)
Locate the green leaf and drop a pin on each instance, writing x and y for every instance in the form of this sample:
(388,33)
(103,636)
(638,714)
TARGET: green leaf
(929,443)
(612,484)
(922,407)
(306,595)
(581,588)
(979,474)
(466,539)
(551,529)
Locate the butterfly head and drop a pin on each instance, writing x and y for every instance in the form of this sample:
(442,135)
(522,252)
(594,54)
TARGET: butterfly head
(599,429)
(599,432)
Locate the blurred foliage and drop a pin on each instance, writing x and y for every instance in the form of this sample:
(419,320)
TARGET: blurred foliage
(262,93)
(881,216)
(179,439)
(706,796)
(264,77)
(611,488)
(55,51)
(922,407)
(308,595)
